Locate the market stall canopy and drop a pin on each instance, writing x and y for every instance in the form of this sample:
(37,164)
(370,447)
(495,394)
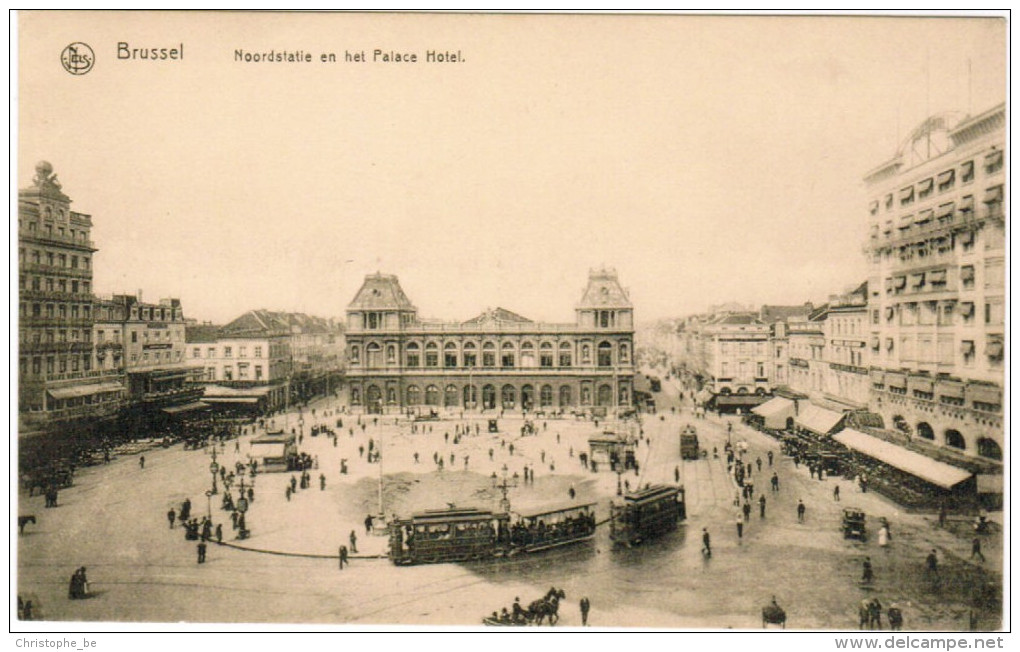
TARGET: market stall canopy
(704,396)
(775,412)
(818,420)
(938,473)
(85,390)
(271,449)
(186,407)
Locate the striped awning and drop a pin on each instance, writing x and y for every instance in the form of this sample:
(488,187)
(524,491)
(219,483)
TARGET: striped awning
(74,391)
(991,394)
(920,384)
(938,473)
(818,420)
(775,411)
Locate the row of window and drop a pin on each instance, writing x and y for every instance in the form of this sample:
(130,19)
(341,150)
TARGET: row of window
(741,348)
(941,350)
(930,313)
(245,371)
(452,358)
(508,396)
(52,335)
(743,370)
(55,364)
(55,311)
(53,259)
(943,182)
(49,231)
(47,284)
(228,352)
(943,215)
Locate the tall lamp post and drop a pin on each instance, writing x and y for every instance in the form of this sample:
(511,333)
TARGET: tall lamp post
(214,468)
(504,484)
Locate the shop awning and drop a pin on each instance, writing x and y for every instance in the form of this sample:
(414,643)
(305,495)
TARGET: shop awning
(907,194)
(739,399)
(925,186)
(877,376)
(920,384)
(84,390)
(894,379)
(937,276)
(937,473)
(925,216)
(946,177)
(251,400)
(186,407)
(900,282)
(994,158)
(775,411)
(967,346)
(917,280)
(966,237)
(967,308)
(967,170)
(906,221)
(704,396)
(967,203)
(993,194)
(990,394)
(990,483)
(950,388)
(945,210)
(818,420)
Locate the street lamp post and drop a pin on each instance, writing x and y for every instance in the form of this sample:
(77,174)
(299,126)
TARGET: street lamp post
(619,481)
(214,468)
(504,485)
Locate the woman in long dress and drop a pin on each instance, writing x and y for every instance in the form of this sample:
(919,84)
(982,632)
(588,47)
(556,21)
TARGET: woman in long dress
(883,537)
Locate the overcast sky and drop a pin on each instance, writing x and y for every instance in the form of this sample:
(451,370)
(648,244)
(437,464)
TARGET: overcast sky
(706,159)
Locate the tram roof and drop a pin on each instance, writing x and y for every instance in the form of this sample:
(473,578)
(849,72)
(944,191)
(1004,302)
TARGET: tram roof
(455,514)
(546,510)
(650,494)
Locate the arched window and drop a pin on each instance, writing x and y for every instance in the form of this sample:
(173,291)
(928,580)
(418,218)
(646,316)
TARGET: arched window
(451,395)
(489,355)
(585,394)
(470,396)
(545,396)
(373,395)
(605,395)
(489,397)
(507,358)
(925,431)
(545,355)
(413,355)
(566,354)
(527,356)
(955,439)
(509,397)
(605,354)
(413,395)
(372,354)
(431,354)
(566,396)
(527,397)
(624,396)
(989,448)
(432,395)
(470,355)
(355,396)
(391,396)
(450,355)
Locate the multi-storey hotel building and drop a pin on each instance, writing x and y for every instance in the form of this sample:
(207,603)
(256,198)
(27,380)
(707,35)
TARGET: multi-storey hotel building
(937,277)
(498,360)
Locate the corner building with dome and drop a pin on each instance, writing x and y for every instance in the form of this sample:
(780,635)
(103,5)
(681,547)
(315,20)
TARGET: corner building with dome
(498,360)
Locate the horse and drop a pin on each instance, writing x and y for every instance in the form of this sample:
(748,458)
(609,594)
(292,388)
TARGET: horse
(547,607)
(23,521)
(773,614)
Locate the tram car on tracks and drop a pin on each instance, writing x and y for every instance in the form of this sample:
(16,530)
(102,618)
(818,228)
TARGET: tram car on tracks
(645,514)
(470,534)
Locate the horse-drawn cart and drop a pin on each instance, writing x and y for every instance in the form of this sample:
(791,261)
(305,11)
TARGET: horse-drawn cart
(854,524)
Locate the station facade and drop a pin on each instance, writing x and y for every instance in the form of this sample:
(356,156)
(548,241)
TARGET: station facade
(498,360)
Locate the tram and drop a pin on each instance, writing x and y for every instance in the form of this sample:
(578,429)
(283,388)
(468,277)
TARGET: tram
(645,514)
(551,527)
(470,534)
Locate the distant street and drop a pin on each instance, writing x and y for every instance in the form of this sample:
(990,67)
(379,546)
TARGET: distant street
(113,521)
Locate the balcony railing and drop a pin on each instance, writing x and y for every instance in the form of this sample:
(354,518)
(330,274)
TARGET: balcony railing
(29,295)
(64,322)
(55,237)
(491,329)
(55,347)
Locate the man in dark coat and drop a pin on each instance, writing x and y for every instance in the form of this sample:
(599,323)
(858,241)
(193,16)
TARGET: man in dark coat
(585,608)
(201,552)
(706,541)
(171,516)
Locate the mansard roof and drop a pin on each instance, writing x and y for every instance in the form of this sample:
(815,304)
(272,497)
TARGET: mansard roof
(498,315)
(381,292)
(268,322)
(604,291)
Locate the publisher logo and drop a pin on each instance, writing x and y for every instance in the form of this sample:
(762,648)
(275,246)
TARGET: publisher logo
(77,58)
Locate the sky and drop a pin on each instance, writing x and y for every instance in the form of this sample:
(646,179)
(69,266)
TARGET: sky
(706,159)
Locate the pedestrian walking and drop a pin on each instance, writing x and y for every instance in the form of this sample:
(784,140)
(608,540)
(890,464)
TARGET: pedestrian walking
(342,556)
(747,511)
(706,542)
(800,510)
(574,493)
(219,533)
(740,525)
(835,493)
(171,516)
(868,572)
(761,506)
(201,552)
(775,481)
(354,542)
(975,549)
(932,562)
(758,463)
(287,492)
(416,457)
(770,458)
(676,474)
(585,608)
(141,462)
(233,519)
(942,515)
(368,524)
(322,482)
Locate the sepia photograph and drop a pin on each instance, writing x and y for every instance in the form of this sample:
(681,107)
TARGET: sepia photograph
(505,322)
